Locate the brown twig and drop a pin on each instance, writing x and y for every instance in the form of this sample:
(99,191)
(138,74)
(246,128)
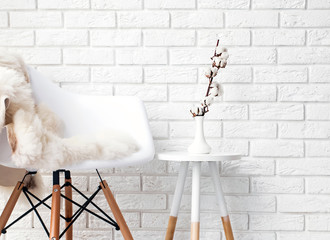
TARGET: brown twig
(205,110)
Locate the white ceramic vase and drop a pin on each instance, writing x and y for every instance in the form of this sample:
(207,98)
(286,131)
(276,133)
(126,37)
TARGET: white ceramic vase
(199,145)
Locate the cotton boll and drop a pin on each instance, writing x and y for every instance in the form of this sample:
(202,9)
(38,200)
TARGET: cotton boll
(196,110)
(216,89)
(207,72)
(224,55)
(220,50)
(207,101)
(217,61)
(214,92)
(223,64)
(214,71)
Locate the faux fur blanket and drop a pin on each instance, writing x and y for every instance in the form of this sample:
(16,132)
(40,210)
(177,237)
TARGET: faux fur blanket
(34,132)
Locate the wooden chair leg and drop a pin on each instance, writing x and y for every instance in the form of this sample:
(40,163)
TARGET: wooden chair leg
(176,201)
(10,205)
(221,201)
(116,211)
(55,212)
(68,206)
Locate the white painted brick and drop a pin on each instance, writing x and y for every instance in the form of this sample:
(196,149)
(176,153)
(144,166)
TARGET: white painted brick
(304,130)
(63,4)
(145,92)
(28,235)
(3,19)
(89,19)
(117,183)
(248,167)
(132,219)
(117,74)
(159,129)
(169,37)
(255,235)
(239,4)
(229,145)
(320,4)
(318,222)
(281,37)
(170,110)
(318,37)
(17,4)
(251,93)
(168,183)
(277,111)
(42,19)
(150,56)
(310,166)
(159,234)
(277,148)
(318,148)
(88,56)
(303,236)
(170,75)
(246,19)
(226,37)
(229,111)
(252,56)
(150,19)
(194,19)
(320,74)
(116,4)
(207,221)
(153,167)
(280,74)
(141,201)
(316,18)
(318,185)
(169,4)
(318,111)
(249,130)
(61,38)
(235,203)
(66,74)
(283,222)
(269,4)
(187,92)
(90,89)
(297,55)
(185,129)
(232,74)
(16,37)
(116,37)
(184,56)
(303,203)
(307,93)
(40,56)
(277,185)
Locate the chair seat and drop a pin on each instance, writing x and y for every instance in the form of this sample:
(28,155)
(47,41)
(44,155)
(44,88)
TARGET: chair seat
(84,114)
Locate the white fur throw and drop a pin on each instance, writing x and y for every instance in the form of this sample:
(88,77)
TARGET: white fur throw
(34,131)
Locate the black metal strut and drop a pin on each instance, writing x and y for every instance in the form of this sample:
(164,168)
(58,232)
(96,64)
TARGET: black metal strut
(75,216)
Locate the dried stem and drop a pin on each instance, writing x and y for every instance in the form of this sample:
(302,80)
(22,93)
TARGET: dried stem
(210,80)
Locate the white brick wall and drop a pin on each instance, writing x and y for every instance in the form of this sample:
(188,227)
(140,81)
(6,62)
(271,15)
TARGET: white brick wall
(276,107)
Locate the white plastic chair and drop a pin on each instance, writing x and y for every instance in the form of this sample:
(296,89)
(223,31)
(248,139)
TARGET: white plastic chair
(83,114)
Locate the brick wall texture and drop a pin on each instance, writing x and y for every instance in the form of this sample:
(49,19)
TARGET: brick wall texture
(275,110)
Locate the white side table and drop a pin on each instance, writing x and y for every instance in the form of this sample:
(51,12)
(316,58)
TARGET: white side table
(196,159)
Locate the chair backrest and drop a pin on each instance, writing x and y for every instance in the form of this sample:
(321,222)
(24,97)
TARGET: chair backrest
(84,114)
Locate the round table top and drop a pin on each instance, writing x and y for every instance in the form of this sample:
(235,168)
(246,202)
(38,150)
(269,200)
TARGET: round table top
(186,156)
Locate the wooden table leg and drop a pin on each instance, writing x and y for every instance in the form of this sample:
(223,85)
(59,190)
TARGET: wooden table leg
(116,211)
(55,212)
(176,200)
(10,205)
(221,201)
(68,206)
(195,204)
